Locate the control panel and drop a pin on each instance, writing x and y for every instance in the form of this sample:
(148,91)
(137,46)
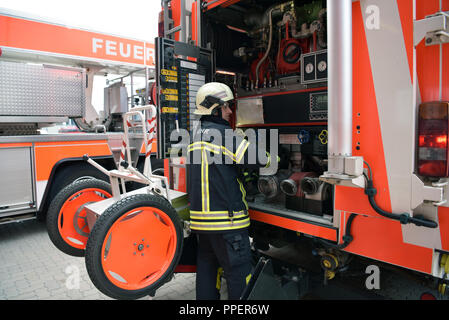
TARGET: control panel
(318,106)
(182,69)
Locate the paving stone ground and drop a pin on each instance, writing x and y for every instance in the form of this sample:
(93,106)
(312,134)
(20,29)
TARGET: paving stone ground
(32,268)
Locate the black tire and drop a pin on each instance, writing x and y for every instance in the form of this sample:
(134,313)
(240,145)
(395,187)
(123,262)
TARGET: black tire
(74,172)
(53,215)
(95,257)
(65,176)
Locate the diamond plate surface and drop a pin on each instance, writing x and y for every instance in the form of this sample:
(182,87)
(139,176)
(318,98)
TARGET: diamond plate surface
(36,90)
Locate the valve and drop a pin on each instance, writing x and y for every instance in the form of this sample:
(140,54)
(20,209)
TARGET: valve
(329,262)
(323,137)
(444,264)
(303,136)
(443,288)
(443,284)
(332,262)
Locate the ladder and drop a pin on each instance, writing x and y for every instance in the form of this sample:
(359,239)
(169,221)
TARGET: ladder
(185,36)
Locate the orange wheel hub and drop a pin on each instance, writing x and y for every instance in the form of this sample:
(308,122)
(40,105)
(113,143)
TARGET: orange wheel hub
(72,220)
(138,248)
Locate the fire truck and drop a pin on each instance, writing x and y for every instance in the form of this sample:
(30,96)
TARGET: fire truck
(47,74)
(357,92)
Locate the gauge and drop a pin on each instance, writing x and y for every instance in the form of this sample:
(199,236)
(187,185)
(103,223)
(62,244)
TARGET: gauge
(309,68)
(322,66)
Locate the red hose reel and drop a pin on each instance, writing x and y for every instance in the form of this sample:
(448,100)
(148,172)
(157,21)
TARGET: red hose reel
(289,55)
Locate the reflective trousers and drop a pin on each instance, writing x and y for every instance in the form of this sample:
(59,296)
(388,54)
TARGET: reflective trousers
(229,252)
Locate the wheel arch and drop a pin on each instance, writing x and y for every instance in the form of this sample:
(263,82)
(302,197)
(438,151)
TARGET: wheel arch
(105,161)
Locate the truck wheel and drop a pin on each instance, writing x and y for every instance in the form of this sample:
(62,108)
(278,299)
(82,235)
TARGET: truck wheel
(66,217)
(75,172)
(134,247)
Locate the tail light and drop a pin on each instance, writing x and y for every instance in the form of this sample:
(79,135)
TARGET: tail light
(161,24)
(433,139)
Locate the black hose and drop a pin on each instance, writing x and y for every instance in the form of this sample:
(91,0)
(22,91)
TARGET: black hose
(404,218)
(370,191)
(347,238)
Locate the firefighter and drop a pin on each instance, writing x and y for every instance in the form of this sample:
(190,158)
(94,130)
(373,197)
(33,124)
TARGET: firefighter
(218,209)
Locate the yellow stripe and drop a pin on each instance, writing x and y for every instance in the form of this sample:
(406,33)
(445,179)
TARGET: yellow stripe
(219,275)
(207,183)
(223,212)
(269,160)
(205,217)
(217,149)
(229,154)
(222,222)
(203,184)
(242,189)
(208,218)
(202,143)
(192,211)
(244,145)
(189,149)
(218,229)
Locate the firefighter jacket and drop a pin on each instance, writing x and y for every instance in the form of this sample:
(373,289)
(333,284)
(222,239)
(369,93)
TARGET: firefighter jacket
(217,196)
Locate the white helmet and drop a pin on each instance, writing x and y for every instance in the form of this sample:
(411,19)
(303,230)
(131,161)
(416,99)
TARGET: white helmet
(210,96)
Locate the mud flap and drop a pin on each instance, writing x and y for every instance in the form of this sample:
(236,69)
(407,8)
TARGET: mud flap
(271,283)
